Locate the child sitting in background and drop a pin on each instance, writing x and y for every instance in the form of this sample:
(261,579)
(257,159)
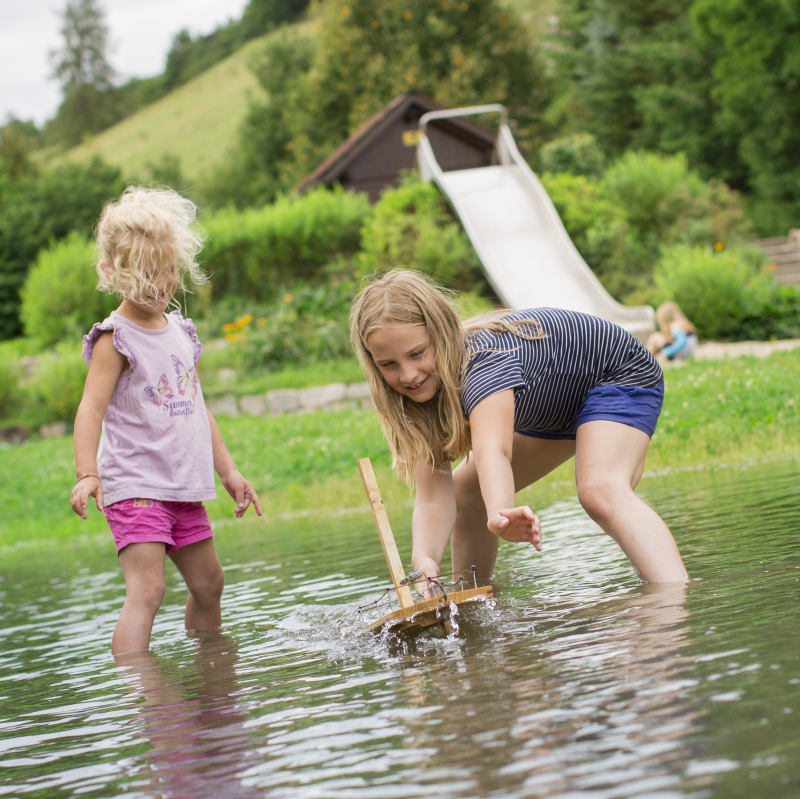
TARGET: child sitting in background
(677,339)
(160,445)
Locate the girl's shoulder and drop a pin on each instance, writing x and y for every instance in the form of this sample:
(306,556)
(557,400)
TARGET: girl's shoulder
(115,324)
(190,329)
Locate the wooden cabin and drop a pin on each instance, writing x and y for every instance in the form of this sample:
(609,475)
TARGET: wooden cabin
(385,145)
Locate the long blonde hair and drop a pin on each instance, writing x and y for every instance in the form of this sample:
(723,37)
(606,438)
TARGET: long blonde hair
(667,314)
(142,234)
(434,431)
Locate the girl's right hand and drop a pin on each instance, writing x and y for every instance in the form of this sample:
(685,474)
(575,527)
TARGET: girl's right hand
(517,524)
(79,498)
(430,568)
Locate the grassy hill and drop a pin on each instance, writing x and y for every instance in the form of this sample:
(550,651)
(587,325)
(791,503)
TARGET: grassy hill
(196,123)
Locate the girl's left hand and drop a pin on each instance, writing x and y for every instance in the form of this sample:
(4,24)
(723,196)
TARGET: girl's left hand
(517,524)
(241,491)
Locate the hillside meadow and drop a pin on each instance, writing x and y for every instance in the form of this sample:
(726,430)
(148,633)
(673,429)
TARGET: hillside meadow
(715,412)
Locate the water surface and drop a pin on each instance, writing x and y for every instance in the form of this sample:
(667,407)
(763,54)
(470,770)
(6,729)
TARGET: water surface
(578,683)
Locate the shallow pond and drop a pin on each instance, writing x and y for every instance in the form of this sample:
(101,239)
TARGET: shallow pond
(578,683)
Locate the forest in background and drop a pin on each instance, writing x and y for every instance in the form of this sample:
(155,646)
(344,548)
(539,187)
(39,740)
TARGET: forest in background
(665,132)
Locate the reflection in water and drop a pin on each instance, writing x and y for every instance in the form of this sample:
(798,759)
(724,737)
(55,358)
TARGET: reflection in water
(195,726)
(577,683)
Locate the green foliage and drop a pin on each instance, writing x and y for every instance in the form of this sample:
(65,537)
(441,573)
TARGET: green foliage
(726,295)
(634,75)
(60,299)
(56,388)
(715,290)
(577,154)
(9,389)
(666,202)
(40,207)
(252,253)
(412,226)
(368,52)
(753,44)
(645,201)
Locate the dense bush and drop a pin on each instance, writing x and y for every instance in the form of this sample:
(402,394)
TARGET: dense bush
(9,391)
(39,207)
(56,389)
(577,154)
(413,226)
(252,253)
(60,299)
(726,294)
(643,202)
(304,324)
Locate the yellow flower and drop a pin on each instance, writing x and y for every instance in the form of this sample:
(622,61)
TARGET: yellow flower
(229,327)
(719,246)
(287,298)
(261,321)
(246,319)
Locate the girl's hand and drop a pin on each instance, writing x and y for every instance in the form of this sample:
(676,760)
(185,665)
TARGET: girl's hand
(517,524)
(79,498)
(241,491)
(429,568)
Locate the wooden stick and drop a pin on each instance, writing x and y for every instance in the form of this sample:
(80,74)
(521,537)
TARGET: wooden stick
(385,532)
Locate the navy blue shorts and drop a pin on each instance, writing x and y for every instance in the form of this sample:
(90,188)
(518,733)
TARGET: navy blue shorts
(631,405)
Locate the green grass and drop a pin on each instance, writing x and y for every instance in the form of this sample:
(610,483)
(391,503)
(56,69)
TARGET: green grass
(197,123)
(714,412)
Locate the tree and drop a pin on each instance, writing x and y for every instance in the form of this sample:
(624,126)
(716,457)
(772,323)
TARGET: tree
(637,77)
(756,73)
(82,67)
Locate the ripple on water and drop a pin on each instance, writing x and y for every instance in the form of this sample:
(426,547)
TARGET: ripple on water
(576,682)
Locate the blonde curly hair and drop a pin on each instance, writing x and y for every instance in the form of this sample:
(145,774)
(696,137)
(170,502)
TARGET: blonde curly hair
(146,233)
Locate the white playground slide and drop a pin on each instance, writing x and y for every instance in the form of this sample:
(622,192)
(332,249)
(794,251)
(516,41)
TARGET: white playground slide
(527,255)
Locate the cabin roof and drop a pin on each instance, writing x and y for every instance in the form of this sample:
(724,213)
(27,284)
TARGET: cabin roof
(337,163)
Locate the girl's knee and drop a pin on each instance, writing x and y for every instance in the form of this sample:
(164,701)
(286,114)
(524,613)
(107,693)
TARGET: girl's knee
(208,587)
(467,491)
(600,496)
(147,595)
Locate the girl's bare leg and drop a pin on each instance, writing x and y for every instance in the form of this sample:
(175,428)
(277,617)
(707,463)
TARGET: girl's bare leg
(472,543)
(201,570)
(609,461)
(143,569)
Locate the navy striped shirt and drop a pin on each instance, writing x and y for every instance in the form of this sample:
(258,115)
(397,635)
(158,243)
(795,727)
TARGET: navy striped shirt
(552,376)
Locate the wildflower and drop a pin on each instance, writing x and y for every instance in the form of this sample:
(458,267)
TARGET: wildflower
(719,246)
(287,298)
(261,321)
(246,319)
(231,326)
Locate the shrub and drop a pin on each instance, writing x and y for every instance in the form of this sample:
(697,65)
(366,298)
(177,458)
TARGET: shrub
(304,325)
(599,228)
(667,203)
(60,299)
(9,391)
(57,385)
(577,154)
(412,226)
(252,253)
(717,291)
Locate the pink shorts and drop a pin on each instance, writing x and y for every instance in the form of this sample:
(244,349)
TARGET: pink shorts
(176,524)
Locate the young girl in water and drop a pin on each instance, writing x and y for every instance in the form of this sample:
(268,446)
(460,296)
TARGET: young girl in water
(520,393)
(154,467)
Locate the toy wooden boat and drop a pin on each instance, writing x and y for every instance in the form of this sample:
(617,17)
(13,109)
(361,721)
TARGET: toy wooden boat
(462,588)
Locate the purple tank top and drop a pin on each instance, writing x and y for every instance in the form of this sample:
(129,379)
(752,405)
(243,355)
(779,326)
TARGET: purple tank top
(156,439)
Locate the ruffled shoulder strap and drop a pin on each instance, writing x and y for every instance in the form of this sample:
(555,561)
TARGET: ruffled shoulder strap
(118,331)
(191,330)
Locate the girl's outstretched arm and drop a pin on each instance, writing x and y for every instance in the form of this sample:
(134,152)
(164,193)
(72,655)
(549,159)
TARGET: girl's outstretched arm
(434,517)
(234,482)
(107,366)
(492,425)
